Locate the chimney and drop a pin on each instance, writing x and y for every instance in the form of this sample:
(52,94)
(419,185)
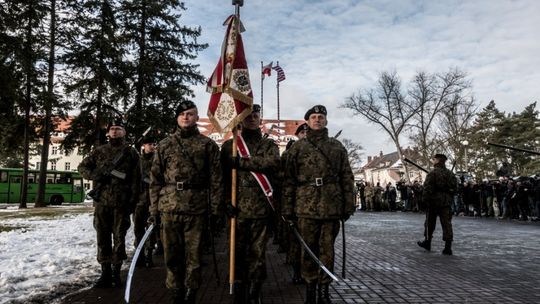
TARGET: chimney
(380,154)
(369,159)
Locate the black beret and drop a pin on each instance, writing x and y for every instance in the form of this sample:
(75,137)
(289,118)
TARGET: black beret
(116,121)
(440,156)
(302,127)
(184,106)
(256,109)
(316,109)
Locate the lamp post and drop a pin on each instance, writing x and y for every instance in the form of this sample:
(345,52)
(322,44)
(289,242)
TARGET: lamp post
(465,144)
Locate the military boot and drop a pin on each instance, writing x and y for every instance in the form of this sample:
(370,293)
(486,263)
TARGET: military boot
(104,280)
(191,296)
(311,293)
(426,244)
(239,293)
(324,294)
(447,248)
(297,278)
(116,280)
(254,295)
(178,296)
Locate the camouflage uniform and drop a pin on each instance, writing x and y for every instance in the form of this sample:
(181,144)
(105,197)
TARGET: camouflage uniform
(117,197)
(142,211)
(439,188)
(186,172)
(319,190)
(254,209)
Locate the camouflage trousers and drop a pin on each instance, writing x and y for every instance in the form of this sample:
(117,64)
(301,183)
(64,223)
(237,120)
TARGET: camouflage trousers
(251,239)
(140,223)
(295,249)
(182,244)
(445,216)
(111,226)
(320,236)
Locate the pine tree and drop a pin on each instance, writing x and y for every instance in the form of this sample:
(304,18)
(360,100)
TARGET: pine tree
(160,71)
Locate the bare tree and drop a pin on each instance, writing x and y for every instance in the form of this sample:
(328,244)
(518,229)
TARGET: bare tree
(386,107)
(354,151)
(434,94)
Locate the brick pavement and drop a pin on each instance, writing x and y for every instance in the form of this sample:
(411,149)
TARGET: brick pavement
(494,262)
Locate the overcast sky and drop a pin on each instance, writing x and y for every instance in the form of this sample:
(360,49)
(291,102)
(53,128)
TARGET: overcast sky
(331,49)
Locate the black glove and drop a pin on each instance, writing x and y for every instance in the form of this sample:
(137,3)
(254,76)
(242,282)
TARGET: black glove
(152,219)
(291,219)
(232,211)
(345,217)
(234,162)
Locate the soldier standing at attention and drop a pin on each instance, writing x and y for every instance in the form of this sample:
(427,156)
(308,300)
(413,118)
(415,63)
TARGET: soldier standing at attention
(114,170)
(319,192)
(252,210)
(185,172)
(142,211)
(439,188)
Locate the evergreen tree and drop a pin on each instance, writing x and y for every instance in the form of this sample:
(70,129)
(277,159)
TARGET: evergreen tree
(160,72)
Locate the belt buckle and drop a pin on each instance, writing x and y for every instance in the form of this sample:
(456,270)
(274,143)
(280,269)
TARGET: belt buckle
(180,186)
(318,181)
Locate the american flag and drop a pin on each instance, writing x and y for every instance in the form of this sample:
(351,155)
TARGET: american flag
(280,73)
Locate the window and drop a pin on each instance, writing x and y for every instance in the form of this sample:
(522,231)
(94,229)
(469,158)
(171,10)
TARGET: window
(53,166)
(54,151)
(3,177)
(38,165)
(67,166)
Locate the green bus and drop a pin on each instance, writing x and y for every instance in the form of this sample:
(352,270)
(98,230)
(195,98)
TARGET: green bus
(60,186)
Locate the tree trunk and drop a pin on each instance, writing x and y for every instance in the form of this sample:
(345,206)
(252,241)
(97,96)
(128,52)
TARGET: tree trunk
(40,198)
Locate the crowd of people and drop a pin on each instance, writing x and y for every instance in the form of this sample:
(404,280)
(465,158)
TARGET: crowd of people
(504,198)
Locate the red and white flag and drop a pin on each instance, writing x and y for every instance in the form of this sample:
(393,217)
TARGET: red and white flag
(232,98)
(280,73)
(267,70)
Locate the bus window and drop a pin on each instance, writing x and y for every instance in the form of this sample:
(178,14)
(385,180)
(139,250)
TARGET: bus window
(50,178)
(77,185)
(31,178)
(3,177)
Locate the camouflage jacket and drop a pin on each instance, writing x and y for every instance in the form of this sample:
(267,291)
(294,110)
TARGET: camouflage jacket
(439,187)
(146,165)
(114,192)
(186,175)
(264,159)
(319,183)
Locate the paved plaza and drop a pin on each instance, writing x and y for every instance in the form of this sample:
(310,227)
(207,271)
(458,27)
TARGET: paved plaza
(494,261)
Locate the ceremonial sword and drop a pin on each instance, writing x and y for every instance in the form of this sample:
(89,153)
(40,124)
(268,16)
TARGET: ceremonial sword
(134,261)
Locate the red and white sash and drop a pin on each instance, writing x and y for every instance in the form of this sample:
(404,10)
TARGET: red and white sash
(263,181)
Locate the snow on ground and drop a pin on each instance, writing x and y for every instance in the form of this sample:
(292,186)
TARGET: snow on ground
(47,254)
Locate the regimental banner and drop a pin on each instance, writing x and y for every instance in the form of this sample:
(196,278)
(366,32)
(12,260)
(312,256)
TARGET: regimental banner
(232,98)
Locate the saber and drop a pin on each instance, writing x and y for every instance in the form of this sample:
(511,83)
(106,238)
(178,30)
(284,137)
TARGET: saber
(344,249)
(415,164)
(313,256)
(134,261)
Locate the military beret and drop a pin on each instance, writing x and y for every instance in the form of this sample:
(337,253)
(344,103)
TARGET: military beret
(148,139)
(256,109)
(440,156)
(302,127)
(184,106)
(316,109)
(116,121)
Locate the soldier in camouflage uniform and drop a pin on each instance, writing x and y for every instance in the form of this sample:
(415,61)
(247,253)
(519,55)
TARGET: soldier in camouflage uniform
(186,172)
(319,192)
(114,170)
(439,188)
(142,211)
(253,210)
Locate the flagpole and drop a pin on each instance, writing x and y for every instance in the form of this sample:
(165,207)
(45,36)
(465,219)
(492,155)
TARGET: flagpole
(232,243)
(262,80)
(278,117)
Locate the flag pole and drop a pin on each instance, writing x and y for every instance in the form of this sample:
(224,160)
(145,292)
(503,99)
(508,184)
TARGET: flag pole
(262,80)
(232,244)
(278,117)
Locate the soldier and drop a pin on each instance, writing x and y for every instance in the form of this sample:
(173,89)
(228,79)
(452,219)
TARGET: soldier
(114,170)
(185,172)
(439,188)
(142,211)
(319,191)
(253,210)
